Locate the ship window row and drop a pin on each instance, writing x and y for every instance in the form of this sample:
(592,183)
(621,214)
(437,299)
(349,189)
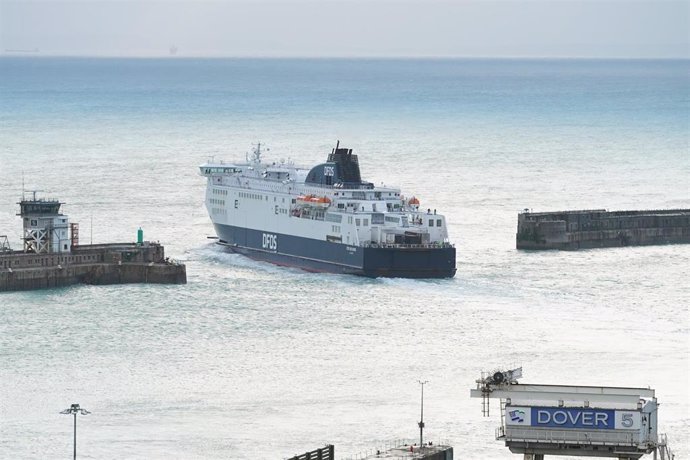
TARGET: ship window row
(363,222)
(217,191)
(219,211)
(221,170)
(439,222)
(252,196)
(335,228)
(214,201)
(365,196)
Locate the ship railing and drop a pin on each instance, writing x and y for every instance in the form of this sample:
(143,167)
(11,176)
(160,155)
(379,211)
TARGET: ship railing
(438,245)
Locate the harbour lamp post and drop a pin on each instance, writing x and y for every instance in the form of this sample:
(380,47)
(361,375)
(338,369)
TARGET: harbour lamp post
(75,409)
(421,418)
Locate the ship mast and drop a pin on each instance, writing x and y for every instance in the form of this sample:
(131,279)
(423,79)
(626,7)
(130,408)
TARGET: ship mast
(256,157)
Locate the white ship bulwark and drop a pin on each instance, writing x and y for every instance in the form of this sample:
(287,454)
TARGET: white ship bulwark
(325,219)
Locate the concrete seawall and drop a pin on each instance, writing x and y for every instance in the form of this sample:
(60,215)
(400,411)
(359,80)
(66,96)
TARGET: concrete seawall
(571,230)
(96,264)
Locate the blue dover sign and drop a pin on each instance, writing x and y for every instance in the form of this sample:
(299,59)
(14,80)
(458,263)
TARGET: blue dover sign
(583,418)
(565,417)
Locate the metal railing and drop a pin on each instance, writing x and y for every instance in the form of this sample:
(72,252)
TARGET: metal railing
(384,447)
(568,436)
(371,244)
(663,449)
(324,453)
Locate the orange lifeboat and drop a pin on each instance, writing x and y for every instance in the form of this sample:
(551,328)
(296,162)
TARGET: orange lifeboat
(313,200)
(413,201)
(321,201)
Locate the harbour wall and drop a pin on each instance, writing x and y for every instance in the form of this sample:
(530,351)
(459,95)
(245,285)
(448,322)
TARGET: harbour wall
(118,263)
(572,230)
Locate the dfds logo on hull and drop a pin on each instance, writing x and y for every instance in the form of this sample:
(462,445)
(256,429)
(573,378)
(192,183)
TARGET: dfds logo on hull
(270,241)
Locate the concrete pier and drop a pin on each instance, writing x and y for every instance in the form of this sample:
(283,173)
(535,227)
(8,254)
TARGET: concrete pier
(117,263)
(572,230)
(52,256)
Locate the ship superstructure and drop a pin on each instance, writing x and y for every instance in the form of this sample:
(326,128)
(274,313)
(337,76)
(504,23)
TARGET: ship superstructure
(325,218)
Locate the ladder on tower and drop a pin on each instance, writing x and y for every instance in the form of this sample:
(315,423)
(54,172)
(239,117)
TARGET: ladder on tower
(664,452)
(485,396)
(485,405)
(503,412)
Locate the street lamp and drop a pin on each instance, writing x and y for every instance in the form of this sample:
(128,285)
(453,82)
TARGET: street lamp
(421,418)
(75,409)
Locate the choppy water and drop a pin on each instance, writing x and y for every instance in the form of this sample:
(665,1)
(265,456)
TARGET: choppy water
(254,361)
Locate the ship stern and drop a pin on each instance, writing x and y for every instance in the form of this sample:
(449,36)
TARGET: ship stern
(409,262)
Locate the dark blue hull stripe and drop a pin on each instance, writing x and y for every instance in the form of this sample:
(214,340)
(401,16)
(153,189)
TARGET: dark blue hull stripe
(274,254)
(326,256)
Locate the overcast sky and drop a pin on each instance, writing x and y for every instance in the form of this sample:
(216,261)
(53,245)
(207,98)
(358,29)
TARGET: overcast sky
(334,28)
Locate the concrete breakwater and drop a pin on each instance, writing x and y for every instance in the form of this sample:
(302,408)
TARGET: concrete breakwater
(116,263)
(571,230)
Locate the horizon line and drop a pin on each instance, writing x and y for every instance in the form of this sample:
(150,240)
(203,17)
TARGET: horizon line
(34,54)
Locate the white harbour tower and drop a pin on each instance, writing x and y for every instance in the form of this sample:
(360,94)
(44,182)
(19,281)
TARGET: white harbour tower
(45,229)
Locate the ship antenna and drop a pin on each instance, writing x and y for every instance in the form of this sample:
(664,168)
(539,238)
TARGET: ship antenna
(23,188)
(257,153)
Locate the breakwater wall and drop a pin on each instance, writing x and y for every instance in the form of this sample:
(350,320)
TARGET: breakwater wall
(117,263)
(572,230)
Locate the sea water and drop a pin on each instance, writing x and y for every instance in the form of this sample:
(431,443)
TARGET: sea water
(249,360)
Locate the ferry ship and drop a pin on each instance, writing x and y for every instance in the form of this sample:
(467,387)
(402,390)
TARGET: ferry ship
(325,219)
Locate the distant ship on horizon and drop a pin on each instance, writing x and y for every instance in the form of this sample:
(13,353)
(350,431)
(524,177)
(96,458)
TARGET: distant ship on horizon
(19,50)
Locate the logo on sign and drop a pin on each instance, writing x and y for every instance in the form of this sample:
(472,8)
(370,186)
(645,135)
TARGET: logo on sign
(517,415)
(328,171)
(270,241)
